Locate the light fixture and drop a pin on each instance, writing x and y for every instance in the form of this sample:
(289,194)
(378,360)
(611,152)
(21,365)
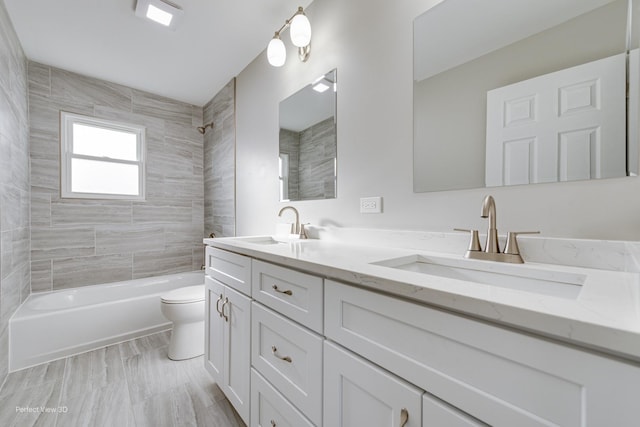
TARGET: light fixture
(320,87)
(161,11)
(300,32)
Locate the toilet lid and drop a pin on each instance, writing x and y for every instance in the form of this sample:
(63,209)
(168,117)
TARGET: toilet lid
(184,295)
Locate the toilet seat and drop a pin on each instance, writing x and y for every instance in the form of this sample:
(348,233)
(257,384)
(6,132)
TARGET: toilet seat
(186,295)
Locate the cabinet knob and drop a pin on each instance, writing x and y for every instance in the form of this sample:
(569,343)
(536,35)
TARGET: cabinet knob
(404,417)
(274,350)
(287,292)
(273,423)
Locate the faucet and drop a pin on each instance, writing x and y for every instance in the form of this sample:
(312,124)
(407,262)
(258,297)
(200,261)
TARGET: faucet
(489,211)
(296,228)
(491,250)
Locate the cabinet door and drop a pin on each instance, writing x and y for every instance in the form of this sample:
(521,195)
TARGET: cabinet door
(214,330)
(237,375)
(357,393)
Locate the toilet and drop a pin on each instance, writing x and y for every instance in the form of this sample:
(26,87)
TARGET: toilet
(185,308)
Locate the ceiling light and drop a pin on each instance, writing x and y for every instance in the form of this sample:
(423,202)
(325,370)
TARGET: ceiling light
(300,32)
(159,11)
(320,87)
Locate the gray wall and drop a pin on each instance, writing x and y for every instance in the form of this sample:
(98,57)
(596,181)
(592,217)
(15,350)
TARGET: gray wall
(78,242)
(219,163)
(14,181)
(375,141)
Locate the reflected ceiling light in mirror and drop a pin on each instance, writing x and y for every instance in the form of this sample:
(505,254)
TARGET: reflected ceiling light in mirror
(159,11)
(320,87)
(300,32)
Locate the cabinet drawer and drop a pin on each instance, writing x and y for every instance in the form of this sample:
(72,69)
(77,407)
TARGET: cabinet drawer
(298,296)
(290,357)
(269,408)
(499,376)
(231,269)
(437,413)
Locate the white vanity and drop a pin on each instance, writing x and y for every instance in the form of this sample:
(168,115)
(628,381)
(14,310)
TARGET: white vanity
(398,330)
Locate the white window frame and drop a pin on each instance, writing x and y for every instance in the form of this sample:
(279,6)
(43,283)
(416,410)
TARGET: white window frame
(283,166)
(67,120)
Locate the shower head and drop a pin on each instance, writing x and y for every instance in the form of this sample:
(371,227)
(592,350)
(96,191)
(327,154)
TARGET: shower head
(203,129)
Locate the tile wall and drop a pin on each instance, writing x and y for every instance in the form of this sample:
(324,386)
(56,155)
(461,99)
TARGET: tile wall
(14,181)
(77,242)
(219,163)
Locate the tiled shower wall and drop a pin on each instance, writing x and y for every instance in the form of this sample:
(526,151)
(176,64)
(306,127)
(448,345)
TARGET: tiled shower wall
(14,181)
(219,163)
(77,242)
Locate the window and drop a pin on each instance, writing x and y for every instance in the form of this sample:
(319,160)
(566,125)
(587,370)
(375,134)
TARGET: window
(101,159)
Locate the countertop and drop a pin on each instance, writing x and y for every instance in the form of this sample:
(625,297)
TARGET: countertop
(604,316)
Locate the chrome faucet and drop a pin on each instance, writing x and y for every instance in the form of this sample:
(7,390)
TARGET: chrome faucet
(296,228)
(492,247)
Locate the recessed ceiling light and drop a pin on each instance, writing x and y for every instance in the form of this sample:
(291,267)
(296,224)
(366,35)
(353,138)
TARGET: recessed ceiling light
(320,87)
(159,11)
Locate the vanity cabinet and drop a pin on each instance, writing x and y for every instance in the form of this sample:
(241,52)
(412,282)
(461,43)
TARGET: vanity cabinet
(496,375)
(228,328)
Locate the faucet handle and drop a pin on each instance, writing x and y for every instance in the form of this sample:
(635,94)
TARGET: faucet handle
(474,243)
(512,241)
(303,231)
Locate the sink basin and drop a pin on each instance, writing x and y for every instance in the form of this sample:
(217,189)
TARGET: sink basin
(517,277)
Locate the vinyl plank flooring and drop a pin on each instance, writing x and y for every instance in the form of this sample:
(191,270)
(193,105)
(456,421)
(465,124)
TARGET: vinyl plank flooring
(127,384)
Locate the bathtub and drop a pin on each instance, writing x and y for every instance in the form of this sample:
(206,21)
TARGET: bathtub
(58,324)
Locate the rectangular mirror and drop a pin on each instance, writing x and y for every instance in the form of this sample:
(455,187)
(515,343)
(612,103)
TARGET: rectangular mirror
(308,143)
(511,92)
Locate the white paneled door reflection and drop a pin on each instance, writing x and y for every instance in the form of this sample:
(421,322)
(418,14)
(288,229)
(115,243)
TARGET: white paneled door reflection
(563,126)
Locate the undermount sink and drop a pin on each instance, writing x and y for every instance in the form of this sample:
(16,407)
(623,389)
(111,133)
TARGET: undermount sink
(517,277)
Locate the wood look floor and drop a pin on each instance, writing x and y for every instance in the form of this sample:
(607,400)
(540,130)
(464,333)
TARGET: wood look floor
(127,384)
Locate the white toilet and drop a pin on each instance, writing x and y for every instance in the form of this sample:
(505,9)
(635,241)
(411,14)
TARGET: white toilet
(185,308)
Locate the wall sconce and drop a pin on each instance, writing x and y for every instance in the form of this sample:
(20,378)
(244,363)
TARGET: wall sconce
(300,32)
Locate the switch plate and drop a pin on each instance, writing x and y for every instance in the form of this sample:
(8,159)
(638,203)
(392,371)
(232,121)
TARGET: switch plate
(371,205)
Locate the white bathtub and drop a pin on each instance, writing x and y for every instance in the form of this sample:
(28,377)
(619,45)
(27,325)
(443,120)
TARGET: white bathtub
(58,324)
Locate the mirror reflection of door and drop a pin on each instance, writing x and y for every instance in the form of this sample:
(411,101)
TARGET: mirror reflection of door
(551,128)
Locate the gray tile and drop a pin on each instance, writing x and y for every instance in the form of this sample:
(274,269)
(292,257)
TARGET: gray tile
(45,175)
(34,378)
(82,211)
(147,264)
(149,374)
(10,288)
(76,88)
(162,211)
(117,239)
(4,353)
(143,344)
(165,108)
(31,406)
(41,276)
(92,370)
(107,406)
(40,209)
(47,243)
(39,78)
(90,270)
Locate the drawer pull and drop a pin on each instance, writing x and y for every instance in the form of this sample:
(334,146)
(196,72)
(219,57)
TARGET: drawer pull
(226,301)
(273,423)
(404,417)
(287,292)
(274,350)
(218,305)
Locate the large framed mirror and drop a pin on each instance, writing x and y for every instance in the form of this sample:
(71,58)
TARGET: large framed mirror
(308,141)
(512,92)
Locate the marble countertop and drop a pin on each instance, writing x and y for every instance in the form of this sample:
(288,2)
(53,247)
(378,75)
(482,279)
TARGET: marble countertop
(605,315)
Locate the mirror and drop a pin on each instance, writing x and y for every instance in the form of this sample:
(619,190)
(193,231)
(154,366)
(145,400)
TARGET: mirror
(308,143)
(510,92)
